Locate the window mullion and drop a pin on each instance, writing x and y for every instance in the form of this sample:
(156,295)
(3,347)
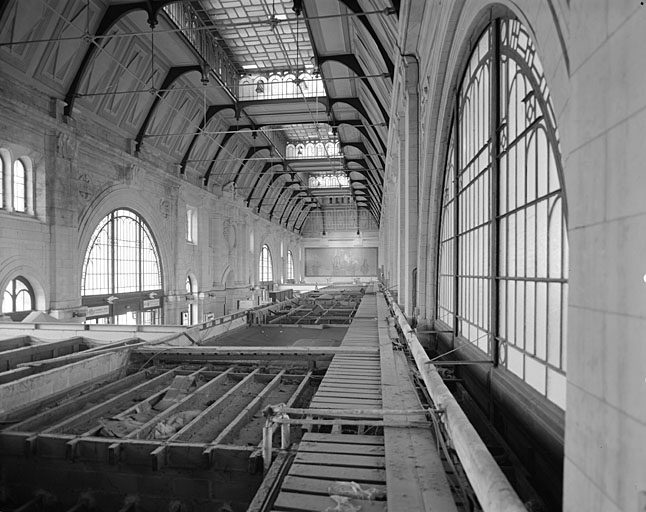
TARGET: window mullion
(113,266)
(494,184)
(456,212)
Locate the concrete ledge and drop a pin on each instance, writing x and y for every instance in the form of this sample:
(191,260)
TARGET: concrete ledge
(33,390)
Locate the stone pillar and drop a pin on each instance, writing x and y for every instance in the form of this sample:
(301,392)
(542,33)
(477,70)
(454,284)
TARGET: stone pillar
(409,182)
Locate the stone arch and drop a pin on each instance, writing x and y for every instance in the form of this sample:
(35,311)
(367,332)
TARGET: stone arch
(155,217)
(15,266)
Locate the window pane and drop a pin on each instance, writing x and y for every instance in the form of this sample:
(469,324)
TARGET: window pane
(121,257)
(19,186)
(530,271)
(7,301)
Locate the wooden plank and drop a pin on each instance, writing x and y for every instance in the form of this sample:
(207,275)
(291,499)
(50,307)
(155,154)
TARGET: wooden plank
(344,383)
(106,405)
(212,414)
(334,459)
(318,486)
(343,438)
(184,404)
(257,351)
(347,399)
(348,393)
(351,379)
(264,493)
(362,388)
(16,373)
(342,448)
(9,359)
(255,460)
(356,474)
(243,417)
(336,405)
(76,403)
(346,389)
(415,474)
(357,374)
(11,343)
(316,503)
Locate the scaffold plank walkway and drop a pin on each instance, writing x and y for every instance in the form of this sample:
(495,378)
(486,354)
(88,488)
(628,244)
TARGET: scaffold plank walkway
(401,466)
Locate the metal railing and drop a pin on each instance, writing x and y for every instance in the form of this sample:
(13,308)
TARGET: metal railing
(197,33)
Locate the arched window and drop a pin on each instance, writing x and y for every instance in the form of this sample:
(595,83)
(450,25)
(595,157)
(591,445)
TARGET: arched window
(19,186)
(265,271)
(503,250)
(18,296)
(289,269)
(122,260)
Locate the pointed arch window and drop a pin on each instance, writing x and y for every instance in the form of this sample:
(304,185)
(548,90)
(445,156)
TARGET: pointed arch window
(266,270)
(18,296)
(503,249)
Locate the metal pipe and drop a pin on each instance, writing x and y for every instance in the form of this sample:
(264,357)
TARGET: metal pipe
(492,488)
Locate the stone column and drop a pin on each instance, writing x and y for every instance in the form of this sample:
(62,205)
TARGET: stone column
(411,176)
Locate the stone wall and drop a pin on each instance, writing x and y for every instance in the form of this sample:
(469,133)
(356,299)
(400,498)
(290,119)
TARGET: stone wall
(83,169)
(593,58)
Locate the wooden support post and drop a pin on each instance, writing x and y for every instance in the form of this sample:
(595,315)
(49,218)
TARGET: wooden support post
(285,441)
(267,434)
(114,452)
(31,445)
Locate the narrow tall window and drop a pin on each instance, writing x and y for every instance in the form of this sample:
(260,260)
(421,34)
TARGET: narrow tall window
(191,225)
(289,270)
(266,271)
(503,251)
(19,186)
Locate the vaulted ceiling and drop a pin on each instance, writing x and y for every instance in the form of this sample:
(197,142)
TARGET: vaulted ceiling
(225,88)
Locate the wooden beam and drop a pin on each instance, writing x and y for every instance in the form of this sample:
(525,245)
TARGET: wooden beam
(10,359)
(106,405)
(75,403)
(243,417)
(158,456)
(186,403)
(493,490)
(281,352)
(269,485)
(415,475)
(133,452)
(255,461)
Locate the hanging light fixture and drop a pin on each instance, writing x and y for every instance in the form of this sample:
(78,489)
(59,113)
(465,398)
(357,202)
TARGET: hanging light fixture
(260,87)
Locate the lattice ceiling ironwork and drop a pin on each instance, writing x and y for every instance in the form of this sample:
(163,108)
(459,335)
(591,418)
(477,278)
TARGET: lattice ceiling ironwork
(260,35)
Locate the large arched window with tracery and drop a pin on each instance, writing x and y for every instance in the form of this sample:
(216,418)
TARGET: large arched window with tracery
(265,269)
(503,249)
(122,262)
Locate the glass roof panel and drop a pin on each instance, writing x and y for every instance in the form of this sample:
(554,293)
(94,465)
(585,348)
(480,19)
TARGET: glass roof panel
(260,34)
